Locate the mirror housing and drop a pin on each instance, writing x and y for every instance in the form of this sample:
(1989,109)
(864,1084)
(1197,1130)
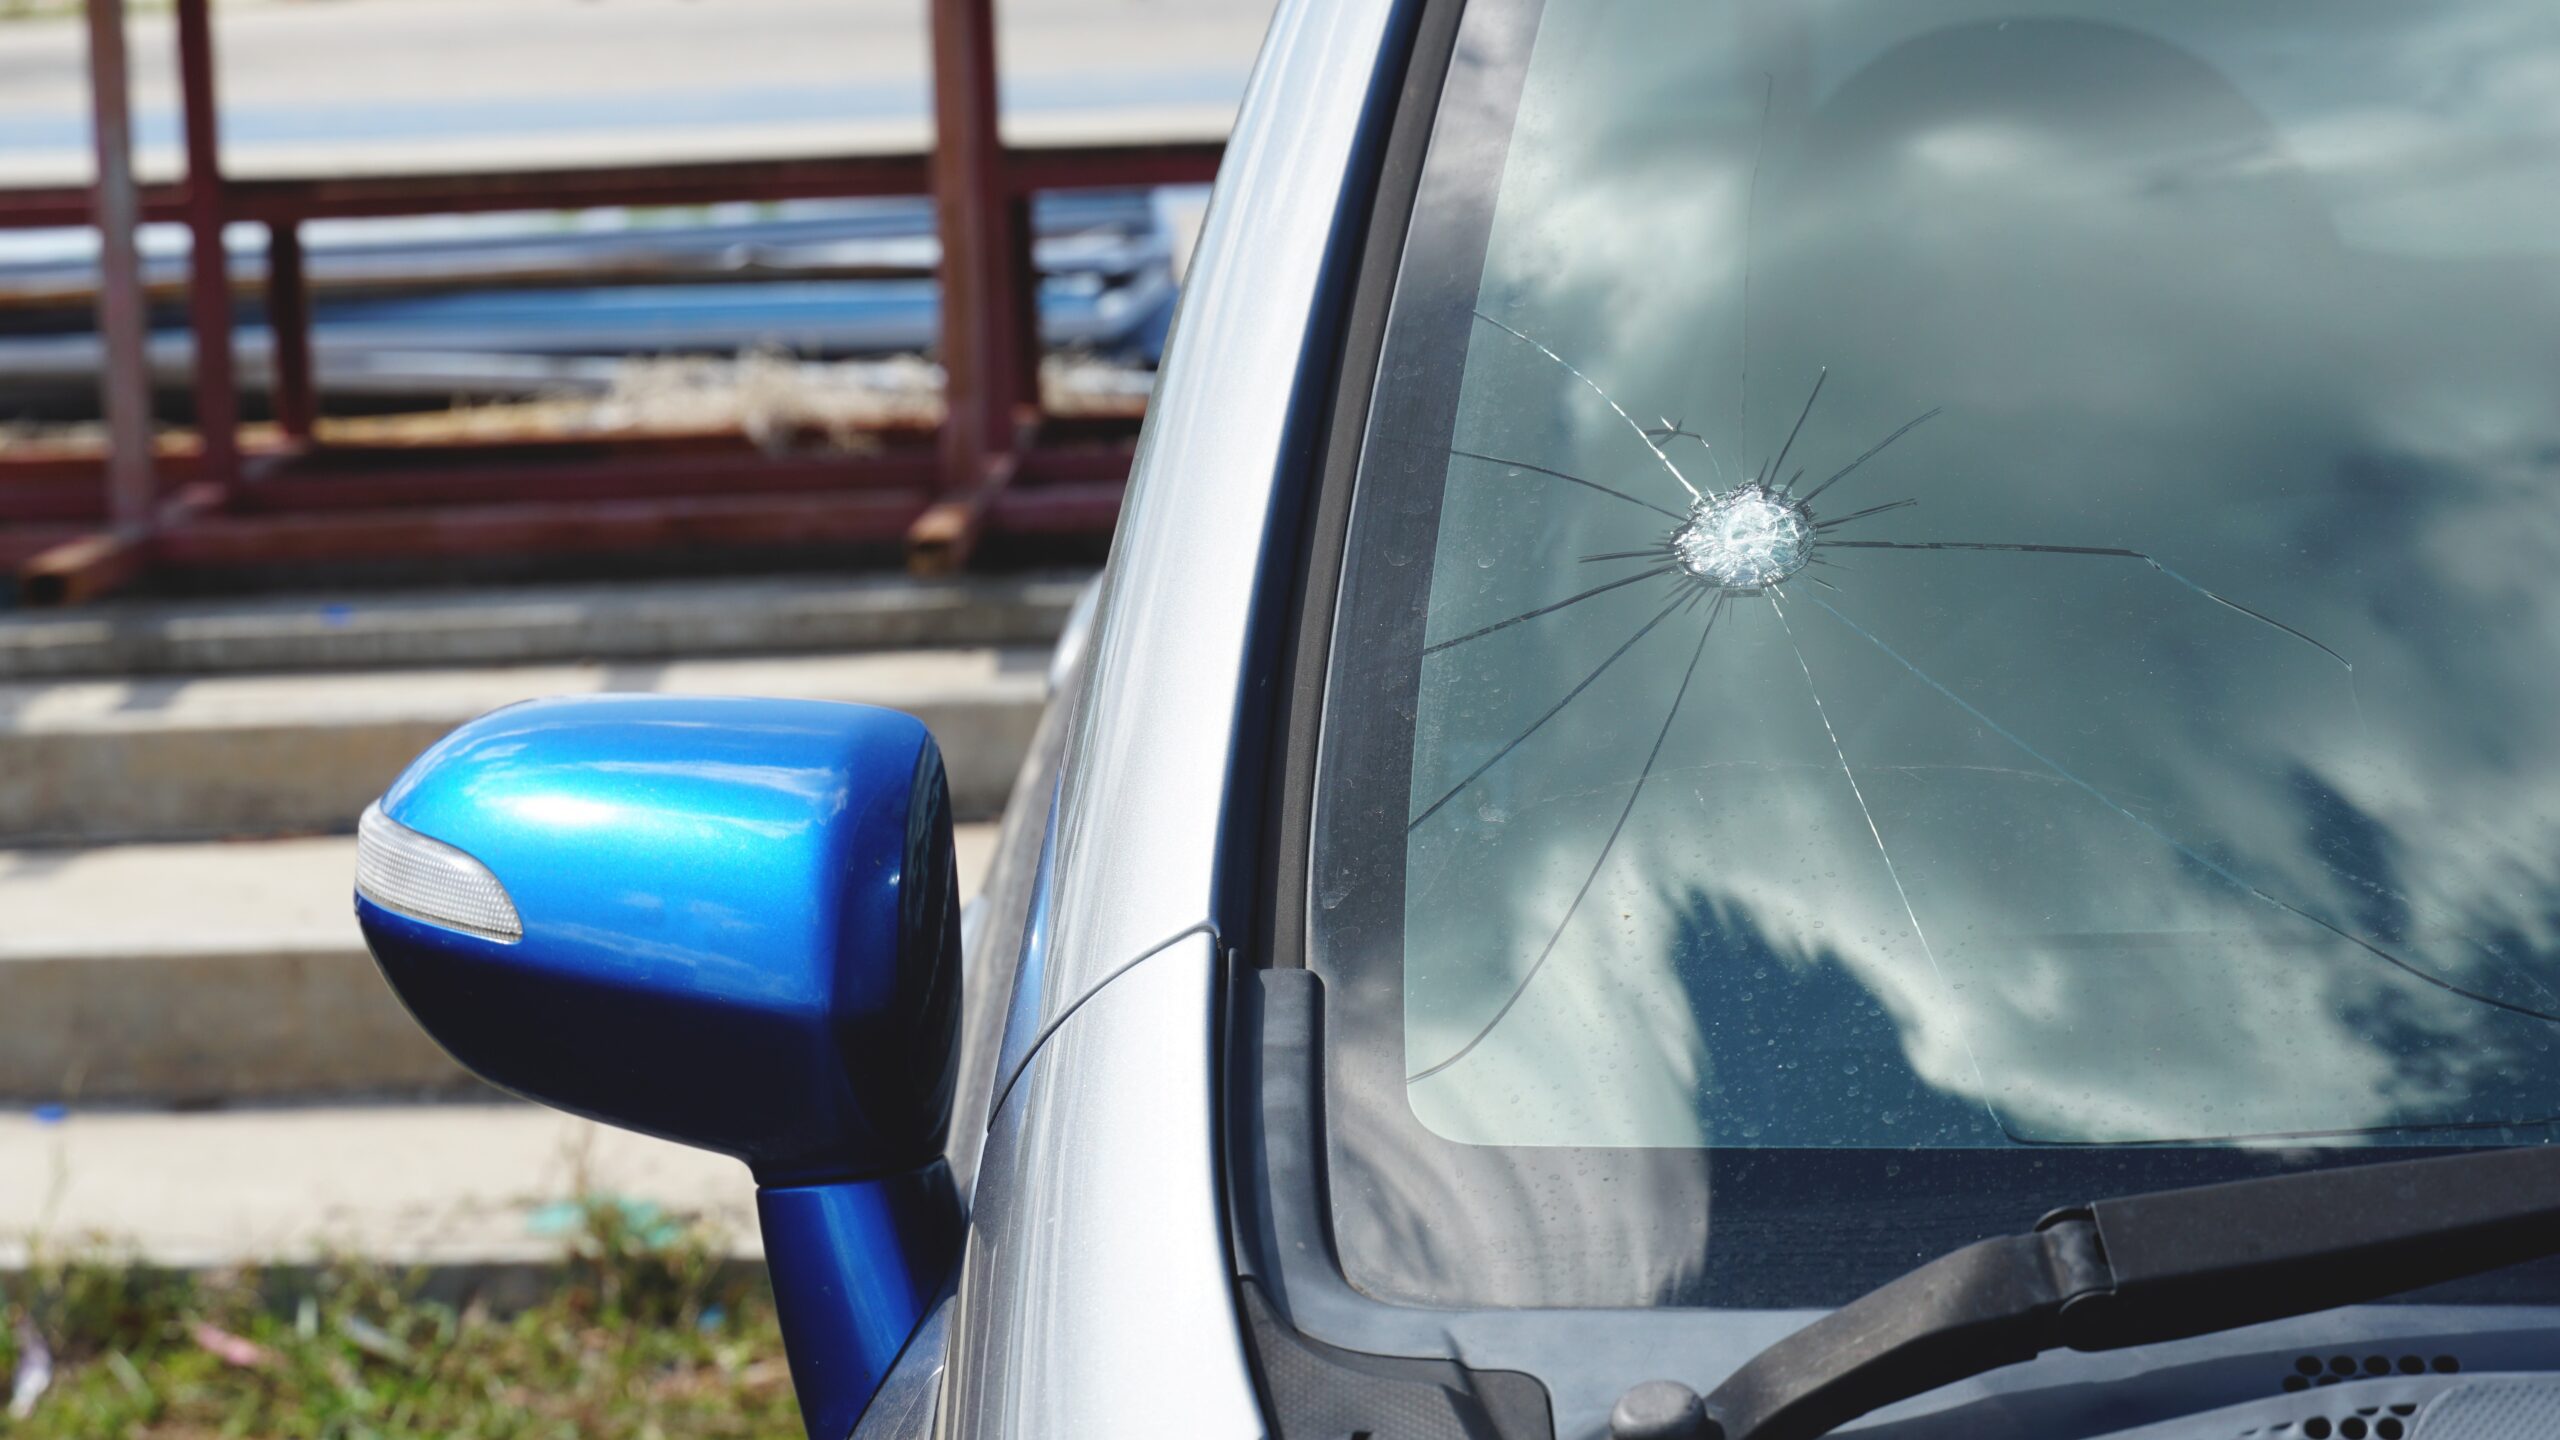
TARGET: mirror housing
(731,923)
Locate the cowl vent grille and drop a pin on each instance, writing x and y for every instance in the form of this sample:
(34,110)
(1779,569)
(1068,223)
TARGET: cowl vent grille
(2524,1408)
(2311,1371)
(2503,1403)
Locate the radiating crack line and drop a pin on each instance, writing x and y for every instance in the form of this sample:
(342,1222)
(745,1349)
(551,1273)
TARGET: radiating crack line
(1872,452)
(2446,920)
(1687,596)
(1982,1085)
(1521,987)
(2114,553)
(1641,433)
(1576,479)
(1437,647)
(2235,879)
(1803,415)
(1839,520)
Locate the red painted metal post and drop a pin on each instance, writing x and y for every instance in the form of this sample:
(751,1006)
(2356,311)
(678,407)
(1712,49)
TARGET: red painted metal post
(989,339)
(1021,310)
(125,379)
(980,367)
(217,399)
(297,401)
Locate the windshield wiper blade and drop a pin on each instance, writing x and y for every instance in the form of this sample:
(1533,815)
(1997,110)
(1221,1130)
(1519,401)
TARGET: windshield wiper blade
(2146,1268)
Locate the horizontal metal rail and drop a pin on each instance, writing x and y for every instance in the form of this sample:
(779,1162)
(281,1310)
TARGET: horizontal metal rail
(838,177)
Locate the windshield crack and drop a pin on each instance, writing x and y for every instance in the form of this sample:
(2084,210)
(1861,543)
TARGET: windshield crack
(1752,539)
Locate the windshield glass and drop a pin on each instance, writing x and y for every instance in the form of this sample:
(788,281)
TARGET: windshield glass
(1946,584)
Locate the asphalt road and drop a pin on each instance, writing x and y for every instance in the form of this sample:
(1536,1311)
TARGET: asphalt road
(335,86)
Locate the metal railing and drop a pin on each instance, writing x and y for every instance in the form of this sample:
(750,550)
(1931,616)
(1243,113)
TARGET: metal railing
(78,523)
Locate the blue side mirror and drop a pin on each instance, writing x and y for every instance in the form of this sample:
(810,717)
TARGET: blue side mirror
(732,923)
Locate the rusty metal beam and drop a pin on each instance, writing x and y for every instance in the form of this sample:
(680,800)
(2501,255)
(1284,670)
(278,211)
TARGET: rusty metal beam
(1068,490)
(216,390)
(52,501)
(946,536)
(617,525)
(293,395)
(66,207)
(89,565)
(124,382)
(85,568)
(1063,465)
(40,466)
(21,543)
(731,457)
(1103,167)
(93,565)
(979,289)
(469,192)
(1020,350)
(61,488)
(464,193)
(1079,509)
(393,454)
(826,177)
(331,484)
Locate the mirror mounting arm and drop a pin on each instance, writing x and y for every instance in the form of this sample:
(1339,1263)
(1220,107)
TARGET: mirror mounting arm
(856,1266)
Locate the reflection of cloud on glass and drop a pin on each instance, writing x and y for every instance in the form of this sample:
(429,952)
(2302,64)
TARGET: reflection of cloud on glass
(2128,279)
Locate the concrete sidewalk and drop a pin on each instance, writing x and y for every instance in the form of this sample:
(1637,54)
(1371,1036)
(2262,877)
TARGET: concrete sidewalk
(183,973)
(464,1184)
(90,760)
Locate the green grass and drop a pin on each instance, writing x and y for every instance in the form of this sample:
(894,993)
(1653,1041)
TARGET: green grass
(645,1336)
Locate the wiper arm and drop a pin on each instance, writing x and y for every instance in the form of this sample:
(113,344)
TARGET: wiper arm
(2147,1268)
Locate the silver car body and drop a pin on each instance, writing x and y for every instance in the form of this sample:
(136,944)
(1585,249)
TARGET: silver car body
(1097,1294)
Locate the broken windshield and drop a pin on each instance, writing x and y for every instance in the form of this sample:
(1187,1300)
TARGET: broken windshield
(1935,576)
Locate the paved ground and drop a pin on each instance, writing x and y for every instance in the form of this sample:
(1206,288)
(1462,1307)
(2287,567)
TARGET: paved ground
(443,1183)
(408,84)
(430,1184)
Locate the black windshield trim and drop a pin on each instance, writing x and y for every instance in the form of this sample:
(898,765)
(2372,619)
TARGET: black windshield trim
(1280,920)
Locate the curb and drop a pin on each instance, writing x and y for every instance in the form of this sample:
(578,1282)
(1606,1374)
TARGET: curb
(85,762)
(533,625)
(203,1028)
